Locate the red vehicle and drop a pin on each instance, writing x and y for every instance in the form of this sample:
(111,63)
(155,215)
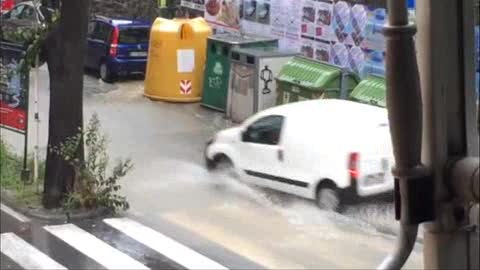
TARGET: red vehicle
(6,5)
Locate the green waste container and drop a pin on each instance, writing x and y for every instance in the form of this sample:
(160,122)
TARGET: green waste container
(372,90)
(217,69)
(303,79)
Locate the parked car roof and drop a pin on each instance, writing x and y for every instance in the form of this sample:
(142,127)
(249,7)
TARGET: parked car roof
(122,21)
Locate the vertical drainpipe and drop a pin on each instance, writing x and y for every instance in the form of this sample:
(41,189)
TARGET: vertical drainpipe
(405,115)
(446,62)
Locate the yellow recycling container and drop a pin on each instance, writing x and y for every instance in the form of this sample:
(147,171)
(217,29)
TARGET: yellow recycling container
(176,59)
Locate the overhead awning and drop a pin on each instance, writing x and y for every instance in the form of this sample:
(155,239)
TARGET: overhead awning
(309,74)
(371,90)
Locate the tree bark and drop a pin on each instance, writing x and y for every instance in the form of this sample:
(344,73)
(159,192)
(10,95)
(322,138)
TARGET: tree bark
(65,51)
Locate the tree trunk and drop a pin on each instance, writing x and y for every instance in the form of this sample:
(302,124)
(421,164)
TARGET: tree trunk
(65,51)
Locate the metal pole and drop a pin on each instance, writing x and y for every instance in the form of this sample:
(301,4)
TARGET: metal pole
(26,172)
(37,123)
(36,110)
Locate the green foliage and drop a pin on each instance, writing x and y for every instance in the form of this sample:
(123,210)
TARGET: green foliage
(11,166)
(31,37)
(94,187)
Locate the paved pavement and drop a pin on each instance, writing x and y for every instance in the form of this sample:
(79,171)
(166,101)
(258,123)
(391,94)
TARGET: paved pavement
(170,190)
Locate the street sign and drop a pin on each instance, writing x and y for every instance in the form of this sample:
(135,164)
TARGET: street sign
(13,89)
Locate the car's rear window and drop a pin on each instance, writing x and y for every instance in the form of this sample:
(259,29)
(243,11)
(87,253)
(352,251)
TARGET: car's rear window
(134,35)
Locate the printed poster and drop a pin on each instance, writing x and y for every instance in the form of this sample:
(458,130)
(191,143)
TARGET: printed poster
(374,63)
(278,18)
(322,51)
(339,54)
(324,16)
(359,16)
(263,12)
(250,10)
(193,8)
(308,19)
(13,89)
(294,20)
(291,44)
(193,4)
(257,17)
(341,21)
(308,47)
(223,13)
(258,11)
(374,39)
(356,59)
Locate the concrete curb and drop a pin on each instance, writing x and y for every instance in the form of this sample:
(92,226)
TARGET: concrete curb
(56,215)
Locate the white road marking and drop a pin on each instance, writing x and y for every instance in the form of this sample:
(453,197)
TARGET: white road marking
(9,211)
(163,244)
(24,254)
(93,247)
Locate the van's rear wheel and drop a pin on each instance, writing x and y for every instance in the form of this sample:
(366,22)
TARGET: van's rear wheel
(328,198)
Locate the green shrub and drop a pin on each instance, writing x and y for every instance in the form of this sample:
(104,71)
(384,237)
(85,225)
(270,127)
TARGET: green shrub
(93,188)
(10,167)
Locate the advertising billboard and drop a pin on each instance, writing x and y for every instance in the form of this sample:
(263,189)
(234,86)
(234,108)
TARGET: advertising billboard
(13,89)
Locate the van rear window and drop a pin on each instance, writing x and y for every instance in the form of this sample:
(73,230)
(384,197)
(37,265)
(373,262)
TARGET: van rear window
(134,35)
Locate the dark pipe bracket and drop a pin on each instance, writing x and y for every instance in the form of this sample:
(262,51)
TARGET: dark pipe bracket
(420,198)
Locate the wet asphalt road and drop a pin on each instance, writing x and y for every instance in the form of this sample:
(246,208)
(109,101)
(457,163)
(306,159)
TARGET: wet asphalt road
(171,191)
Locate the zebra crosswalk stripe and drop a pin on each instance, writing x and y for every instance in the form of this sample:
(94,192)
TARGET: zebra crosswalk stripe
(24,254)
(163,244)
(13,213)
(93,247)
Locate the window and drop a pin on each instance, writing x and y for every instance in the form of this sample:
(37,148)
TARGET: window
(15,13)
(225,50)
(28,13)
(265,130)
(91,27)
(213,48)
(134,35)
(101,31)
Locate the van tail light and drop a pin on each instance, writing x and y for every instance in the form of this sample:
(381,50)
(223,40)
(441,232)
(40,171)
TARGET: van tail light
(353,165)
(114,45)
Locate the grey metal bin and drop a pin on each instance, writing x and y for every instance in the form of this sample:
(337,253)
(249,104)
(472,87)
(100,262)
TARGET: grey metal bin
(252,85)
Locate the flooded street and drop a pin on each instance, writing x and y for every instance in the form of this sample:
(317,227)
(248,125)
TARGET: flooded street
(171,184)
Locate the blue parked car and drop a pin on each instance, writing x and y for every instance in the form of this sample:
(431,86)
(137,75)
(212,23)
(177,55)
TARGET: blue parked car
(117,47)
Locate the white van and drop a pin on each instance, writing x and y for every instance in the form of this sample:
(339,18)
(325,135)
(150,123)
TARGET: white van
(326,150)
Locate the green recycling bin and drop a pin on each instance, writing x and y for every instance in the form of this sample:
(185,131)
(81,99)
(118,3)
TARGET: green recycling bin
(217,69)
(372,90)
(303,79)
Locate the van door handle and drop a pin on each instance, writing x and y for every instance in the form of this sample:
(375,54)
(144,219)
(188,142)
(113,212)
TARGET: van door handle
(280,154)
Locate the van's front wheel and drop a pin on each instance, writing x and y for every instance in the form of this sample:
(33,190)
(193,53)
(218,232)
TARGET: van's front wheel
(328,198)
(223,164)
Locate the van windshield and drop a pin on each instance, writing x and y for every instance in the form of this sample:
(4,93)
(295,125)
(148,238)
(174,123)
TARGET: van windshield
(134,35)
